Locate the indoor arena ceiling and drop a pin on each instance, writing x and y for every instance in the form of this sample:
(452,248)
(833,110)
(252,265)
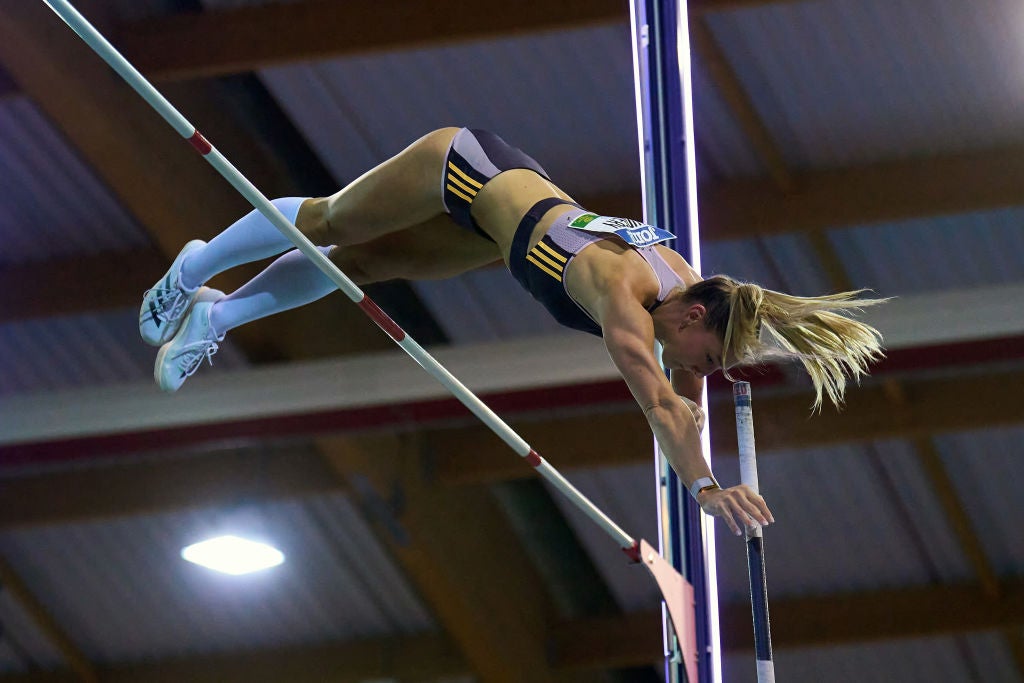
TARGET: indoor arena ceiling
(840,144)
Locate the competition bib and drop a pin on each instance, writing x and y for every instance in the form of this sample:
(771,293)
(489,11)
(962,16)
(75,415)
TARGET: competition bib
(632,232)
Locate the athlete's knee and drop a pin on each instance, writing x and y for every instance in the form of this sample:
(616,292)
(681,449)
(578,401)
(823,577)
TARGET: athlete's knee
(312,221)
(441,137)
(361,264)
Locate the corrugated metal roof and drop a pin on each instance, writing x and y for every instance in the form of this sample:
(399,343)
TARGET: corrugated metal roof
(985,468)
(463,306)
(851,534)
(627,495)
(23,647)
(948,252)
(84,350)
(855,81)
(552,94)
(121,588)
(54,205)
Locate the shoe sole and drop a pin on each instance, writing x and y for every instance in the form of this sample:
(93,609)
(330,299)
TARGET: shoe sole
(204,294)
(168,333)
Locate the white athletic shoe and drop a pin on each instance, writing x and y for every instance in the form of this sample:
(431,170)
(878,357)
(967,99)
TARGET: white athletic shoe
(166,303)
(196,341)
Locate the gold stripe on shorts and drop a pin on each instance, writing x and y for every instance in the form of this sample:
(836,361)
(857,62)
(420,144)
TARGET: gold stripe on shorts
(548,251)
(543,266)
(455,191)
(462,186)
(464,177)
(544,258)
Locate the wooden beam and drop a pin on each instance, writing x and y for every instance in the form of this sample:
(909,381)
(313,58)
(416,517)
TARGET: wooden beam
(139,157)
(8,88)
(164,484)
(459,551)
(702,7)
(623,438)
(822,621)
(422,658)
(892,191)
(730,210)
(116,132)
(735,96)
(84,670)
(865,617)
(115,280)
(220,42)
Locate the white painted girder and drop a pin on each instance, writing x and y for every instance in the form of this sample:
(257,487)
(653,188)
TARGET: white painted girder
(391,378)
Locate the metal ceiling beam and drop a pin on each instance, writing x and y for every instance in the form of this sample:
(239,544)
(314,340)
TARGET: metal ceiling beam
(387,390)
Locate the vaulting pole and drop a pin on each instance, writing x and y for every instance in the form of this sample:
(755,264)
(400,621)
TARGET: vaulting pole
(755,539)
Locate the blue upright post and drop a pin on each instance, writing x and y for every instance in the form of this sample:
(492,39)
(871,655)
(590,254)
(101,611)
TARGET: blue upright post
(665,122)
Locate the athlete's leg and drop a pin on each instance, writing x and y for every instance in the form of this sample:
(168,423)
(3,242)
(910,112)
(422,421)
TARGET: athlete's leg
(400,193)
(433,250)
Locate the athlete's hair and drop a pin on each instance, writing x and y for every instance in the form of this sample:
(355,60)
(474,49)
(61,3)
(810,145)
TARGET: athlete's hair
(755,324)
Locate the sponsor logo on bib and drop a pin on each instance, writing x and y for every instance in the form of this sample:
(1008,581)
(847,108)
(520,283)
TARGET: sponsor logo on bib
(631,232)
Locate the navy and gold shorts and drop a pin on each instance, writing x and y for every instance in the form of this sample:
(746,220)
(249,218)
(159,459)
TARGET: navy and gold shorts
(475,157)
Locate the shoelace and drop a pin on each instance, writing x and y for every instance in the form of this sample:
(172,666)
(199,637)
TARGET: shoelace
(193,355)
(169,303)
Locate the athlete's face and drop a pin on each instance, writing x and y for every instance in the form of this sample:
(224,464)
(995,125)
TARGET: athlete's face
(691,346)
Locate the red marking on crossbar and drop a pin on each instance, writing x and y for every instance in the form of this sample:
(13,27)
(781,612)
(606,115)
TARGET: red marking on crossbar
(533,458)
(633,552)
(382,319)
(201,144)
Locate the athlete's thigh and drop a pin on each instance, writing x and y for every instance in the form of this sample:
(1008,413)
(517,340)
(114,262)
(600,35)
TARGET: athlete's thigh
(432,250)
(399,193)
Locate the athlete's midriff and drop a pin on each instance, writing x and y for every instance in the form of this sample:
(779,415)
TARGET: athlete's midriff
(506,198)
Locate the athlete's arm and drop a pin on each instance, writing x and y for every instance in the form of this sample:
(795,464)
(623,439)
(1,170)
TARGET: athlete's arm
(690,388)
(629,338)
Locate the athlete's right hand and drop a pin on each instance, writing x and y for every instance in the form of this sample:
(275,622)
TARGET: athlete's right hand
(696,411)
(739,507)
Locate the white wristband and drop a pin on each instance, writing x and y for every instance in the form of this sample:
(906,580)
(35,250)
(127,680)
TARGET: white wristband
(701,484)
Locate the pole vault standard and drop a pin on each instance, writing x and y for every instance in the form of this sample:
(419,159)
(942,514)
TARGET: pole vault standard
(661,54)
(677,592)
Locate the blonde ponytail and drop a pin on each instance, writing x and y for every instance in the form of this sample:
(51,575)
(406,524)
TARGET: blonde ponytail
(757,324)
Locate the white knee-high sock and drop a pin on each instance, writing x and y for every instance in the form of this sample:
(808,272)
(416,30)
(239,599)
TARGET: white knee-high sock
(250,238)
(289,282)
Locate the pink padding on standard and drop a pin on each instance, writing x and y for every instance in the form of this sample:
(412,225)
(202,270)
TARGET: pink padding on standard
(533,458)
(382,319)
(201,144)
(679,598)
